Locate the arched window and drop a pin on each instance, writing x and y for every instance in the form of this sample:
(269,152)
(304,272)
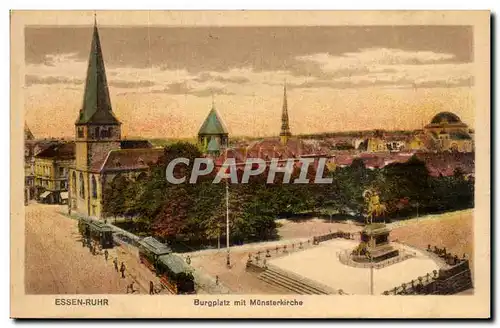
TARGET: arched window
(82,186)
(73,183)
(94,187)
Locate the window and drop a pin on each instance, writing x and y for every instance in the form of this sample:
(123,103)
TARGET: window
(94,187)
(82,186)
(96,132)
(110,132)
(63,185)
(61,171)
(80,132)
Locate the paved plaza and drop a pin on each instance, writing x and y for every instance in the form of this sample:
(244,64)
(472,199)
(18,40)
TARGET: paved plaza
(321,264)
(57,263)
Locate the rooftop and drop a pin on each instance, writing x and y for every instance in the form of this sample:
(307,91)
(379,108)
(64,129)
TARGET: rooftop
(154,246)
(58,151)
(174,263)
(129,159)
(213,124)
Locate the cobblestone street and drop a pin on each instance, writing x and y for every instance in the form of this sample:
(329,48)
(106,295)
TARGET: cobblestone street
(57,263)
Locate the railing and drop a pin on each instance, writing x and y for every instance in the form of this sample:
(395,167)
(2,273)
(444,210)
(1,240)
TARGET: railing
(410,288)
(259,258)
(455,266)
(346,259)
(333,235)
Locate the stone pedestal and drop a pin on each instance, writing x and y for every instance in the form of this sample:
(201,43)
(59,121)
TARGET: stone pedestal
(375,239)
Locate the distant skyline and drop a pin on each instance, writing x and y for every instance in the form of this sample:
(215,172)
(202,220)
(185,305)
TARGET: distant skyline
(339,78)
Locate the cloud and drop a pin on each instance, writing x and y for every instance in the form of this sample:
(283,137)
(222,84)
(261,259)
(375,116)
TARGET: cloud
(130,84)
(211,91)
(174,88)
(374,56)
(30,80)
(368,67)
(53,60)
(386,67)
(184,88)
(217,77)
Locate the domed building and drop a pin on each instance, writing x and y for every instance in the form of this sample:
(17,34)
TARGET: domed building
(448,133)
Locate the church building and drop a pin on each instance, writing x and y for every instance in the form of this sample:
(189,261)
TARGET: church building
(100,153)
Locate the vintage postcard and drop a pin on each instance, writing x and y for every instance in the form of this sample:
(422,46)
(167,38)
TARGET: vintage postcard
(250,164)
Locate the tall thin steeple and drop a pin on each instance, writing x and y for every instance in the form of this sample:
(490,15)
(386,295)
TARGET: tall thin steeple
(285,133)
(96,107)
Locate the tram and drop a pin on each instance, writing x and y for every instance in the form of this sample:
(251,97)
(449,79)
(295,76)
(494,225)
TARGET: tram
(174,274)
(97,231)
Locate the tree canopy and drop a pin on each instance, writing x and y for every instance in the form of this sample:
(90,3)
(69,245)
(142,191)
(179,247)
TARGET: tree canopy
(196,213)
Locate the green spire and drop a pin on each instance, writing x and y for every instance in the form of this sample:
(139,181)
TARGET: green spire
(96,107)
(213,124)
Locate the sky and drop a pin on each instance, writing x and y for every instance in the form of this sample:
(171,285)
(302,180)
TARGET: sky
(162,80)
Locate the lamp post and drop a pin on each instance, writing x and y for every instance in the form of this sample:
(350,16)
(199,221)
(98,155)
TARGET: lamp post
(218,236)
(228,260)
(371,275)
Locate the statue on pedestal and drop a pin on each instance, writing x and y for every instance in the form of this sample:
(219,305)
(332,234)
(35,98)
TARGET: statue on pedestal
(374,246)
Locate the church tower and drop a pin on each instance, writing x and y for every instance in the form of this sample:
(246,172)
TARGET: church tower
(97,129)
(213,128)
(285,133)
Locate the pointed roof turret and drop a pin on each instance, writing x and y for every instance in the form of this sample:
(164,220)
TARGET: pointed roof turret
(96,108)
(285,126)
(213,124)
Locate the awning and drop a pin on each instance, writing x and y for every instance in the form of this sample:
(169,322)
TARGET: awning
(64,195)
(45,194)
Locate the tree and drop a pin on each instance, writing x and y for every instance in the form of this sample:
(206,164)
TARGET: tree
(172,217)
(406,180)
(114,197)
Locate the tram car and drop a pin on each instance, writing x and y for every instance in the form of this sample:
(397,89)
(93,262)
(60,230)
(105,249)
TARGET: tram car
(97,231)
(174,273)
(84,227)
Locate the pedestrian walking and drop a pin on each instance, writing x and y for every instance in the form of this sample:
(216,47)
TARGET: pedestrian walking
(130,287)
(122,270)
(216,280)
(115,262)
(188,259)
(106,255)
(151,288)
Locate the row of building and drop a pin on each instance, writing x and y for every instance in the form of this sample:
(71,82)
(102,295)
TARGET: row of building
(77,172)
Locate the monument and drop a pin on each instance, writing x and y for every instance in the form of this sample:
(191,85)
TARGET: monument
(374,245)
